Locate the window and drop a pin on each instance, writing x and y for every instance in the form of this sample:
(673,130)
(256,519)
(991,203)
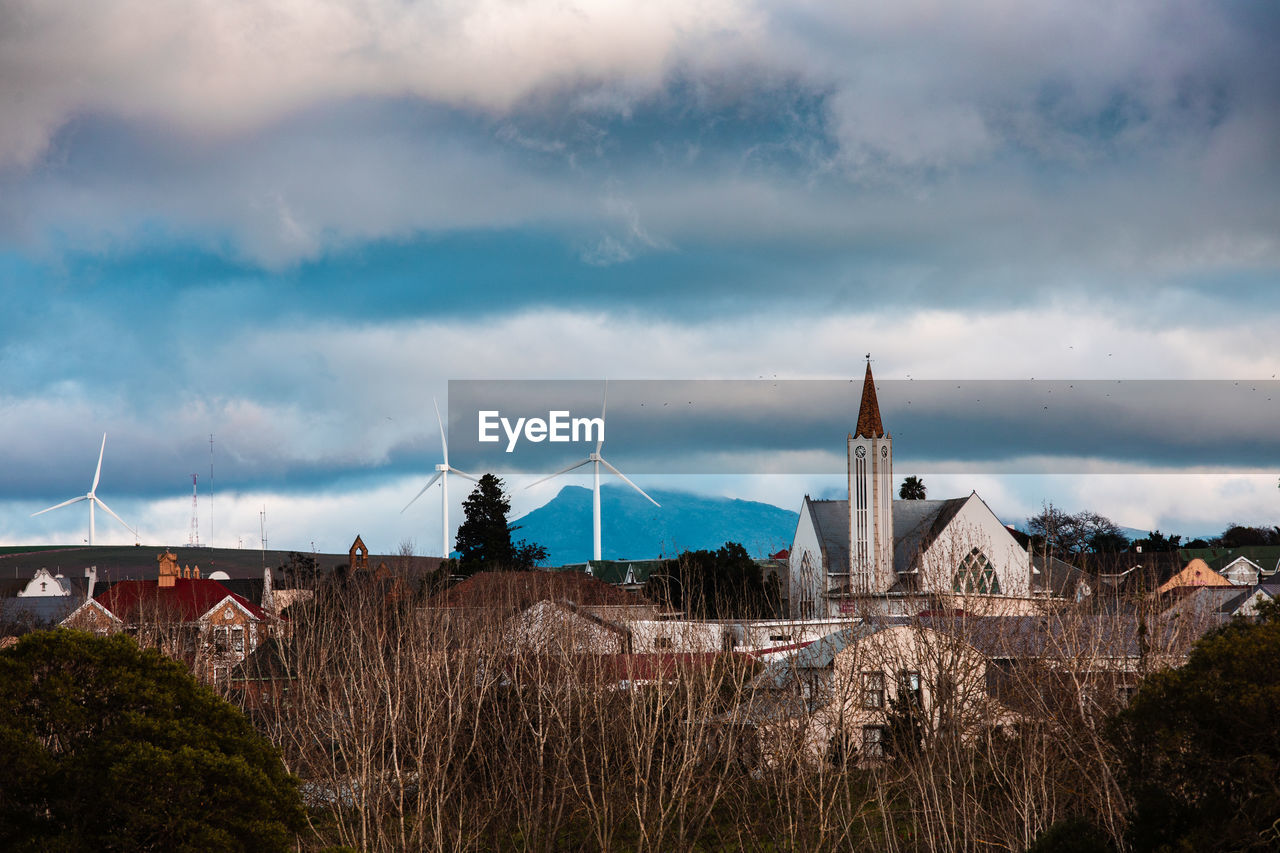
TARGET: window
(873,689)
(237,640)
(976,575)
(909,687)
(779,638)
(873,741)
(662,642)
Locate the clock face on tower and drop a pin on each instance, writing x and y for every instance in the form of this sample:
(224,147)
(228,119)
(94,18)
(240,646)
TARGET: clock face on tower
(884,453)
(859,452)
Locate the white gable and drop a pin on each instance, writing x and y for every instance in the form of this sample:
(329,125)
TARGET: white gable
(43,585)
(1241,571)
(975,552)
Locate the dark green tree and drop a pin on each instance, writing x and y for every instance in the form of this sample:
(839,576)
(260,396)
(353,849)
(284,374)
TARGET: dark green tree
(1243,536)
(484,537)
(1156,542)
(109,747)
(1200,761)
(904,731)
(299,571)
(913,489)
(721,584)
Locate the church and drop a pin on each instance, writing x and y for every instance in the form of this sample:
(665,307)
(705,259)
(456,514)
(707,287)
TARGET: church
(874,555)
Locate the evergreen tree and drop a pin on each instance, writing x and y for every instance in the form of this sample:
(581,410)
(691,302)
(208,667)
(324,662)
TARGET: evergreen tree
(1197,745)
(484,538)
(109,747)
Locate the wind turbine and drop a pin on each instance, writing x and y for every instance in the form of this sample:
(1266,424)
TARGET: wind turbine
(442,474)
(92,498)
(596,460)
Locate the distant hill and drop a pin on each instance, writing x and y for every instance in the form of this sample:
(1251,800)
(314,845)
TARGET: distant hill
(1130,533)
(633,528)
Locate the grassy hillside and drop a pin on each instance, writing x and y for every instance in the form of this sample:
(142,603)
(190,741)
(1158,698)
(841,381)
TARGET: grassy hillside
(121,562)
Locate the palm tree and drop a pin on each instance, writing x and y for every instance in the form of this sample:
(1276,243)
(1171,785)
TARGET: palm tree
(912,489)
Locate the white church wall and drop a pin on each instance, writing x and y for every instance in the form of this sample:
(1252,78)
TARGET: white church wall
(807,573)
(975,526)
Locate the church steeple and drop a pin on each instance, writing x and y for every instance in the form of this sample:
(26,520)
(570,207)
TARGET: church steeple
(869,425)
(870,497)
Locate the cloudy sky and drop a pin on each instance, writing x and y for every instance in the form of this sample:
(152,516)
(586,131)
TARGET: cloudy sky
(290,225)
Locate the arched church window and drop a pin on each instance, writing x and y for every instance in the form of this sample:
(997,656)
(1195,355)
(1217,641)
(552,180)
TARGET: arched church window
(976,575)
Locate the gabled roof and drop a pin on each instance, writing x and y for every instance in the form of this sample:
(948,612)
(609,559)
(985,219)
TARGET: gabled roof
(831,524)
(816,655)
(916,525)
(623,571)
(265,663)
(1196,573)
(869,425)
(1051,576)
(187,600)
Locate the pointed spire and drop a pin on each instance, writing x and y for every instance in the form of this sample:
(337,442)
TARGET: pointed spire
(869,425)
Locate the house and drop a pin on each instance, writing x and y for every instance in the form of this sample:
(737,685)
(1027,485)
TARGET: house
(1241,571)
(555,611)
(840,696)
(1196,573)
(1241,560)
(954,674)
(873,555)
(263,679)
(188,617)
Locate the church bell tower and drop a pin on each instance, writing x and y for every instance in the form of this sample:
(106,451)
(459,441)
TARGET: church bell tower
(870,497)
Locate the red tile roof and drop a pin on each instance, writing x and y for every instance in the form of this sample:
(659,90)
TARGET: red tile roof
(187,600)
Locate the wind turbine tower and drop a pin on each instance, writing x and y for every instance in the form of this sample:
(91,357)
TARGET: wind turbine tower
(93,499)
(443,470)
(596,460)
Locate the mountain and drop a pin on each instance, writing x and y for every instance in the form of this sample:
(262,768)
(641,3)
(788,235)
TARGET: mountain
(633,528)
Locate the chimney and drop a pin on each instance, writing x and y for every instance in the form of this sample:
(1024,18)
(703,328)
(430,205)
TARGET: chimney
(92,574)
(268,594)
(169,570)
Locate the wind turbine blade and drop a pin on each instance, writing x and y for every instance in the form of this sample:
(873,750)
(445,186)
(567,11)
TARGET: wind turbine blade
(626,480)
(61,505)
(558,473)
(604,403)
(429,484)
(463,474)
(444,445)
(98,473)
(111,513)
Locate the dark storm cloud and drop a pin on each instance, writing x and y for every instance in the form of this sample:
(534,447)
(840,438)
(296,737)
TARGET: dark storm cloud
(767,426)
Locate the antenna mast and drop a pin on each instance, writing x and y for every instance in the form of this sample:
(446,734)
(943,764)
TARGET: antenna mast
(210,488)
(194,539)
(262,526)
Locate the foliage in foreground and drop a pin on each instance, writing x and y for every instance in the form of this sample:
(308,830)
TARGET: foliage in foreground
(1198,744)
(109,747)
